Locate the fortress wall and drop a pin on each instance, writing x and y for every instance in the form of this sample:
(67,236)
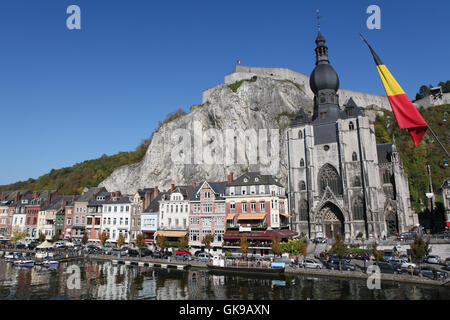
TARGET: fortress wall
(245,73)
(429,101)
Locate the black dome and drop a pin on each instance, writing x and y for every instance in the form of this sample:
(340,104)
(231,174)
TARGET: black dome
(323,77)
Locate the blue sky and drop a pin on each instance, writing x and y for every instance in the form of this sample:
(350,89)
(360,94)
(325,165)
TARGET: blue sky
(71,95)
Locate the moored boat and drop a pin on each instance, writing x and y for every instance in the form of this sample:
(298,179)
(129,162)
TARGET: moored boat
(24,263)
(50,263)
(220,264)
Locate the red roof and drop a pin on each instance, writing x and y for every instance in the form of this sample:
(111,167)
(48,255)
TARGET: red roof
(259,235)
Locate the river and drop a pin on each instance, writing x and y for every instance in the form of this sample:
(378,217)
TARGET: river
(104,281)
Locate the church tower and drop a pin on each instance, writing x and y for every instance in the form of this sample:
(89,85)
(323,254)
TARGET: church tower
(334,181)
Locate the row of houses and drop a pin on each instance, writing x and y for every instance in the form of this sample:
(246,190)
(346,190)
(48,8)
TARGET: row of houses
(253,205)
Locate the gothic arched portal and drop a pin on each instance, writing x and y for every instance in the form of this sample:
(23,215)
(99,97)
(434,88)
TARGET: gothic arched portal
(332,220)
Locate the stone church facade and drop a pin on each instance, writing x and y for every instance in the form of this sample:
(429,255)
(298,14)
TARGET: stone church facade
(340,181)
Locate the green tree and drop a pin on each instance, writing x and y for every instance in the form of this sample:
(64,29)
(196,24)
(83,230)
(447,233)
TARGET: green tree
(276,247)
(207,240)
(244,245)
(378,254)
(41,237)
(104,237)
(18,234)
(162,242)
(120,240)
(140,242)
(418,250)
(339,248)
(85,238)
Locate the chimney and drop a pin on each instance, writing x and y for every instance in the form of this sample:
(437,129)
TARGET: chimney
(230,177)
(172,187)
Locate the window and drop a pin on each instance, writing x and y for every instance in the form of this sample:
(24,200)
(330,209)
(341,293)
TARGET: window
(386,177)
(196,207)
(232,205)
(262,207)
(328,176)
(262,190)
(243,190)
(253,206)
(252,189)
(244,206)
(323,115)
(354,156)
(302,162)
(300,134)
(303,211)
(351,126)
(302,185)
(358,209)
(232,191)
(206,194)
(357,182)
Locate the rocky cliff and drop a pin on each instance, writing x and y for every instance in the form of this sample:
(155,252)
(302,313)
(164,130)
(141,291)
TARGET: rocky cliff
(192,148)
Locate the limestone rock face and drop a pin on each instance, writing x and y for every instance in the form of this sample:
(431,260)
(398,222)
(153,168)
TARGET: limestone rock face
(266,103)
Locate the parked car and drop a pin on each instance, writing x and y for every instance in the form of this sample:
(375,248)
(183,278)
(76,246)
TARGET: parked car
(182,256)
(402,263)
(157,255)
(20,246)
(337,259)
(433,259)
(146,252)
(310,263)
(203,256)
(115,251)
(33,245)
(389,268)
(407,236)
(184,252)
(432,273)
(132,253)
(388,254)
(334,265)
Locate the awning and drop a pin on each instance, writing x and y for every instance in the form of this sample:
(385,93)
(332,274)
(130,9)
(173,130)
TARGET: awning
(230,216)
(170,234)
(286,215)
(251,216)
(259,234)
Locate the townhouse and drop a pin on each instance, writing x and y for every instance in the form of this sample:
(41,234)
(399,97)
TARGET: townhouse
(256,207)
(150,218)
(47,217)
(94,215)
(207,214)
(141,200)
(116,217)
(173,217)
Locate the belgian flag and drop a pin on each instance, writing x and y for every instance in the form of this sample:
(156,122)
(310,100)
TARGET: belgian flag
(406,113)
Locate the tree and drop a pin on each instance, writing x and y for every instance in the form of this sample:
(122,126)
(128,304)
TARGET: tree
(162,242)
(103,237)
(140,242)
(120,240)
(207,240)
(18,234)
(85,238)
(378,254)
(41,237)
(244,245)
(276,247)
(418,250)
(339,248)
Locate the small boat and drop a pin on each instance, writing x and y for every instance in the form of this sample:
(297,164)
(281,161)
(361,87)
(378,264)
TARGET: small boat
(50,263)
(245,267)
(12,257)
(24,263)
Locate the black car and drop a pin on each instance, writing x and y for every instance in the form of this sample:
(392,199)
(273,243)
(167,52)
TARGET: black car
(337,259)
(20,246)
(157,255)
(334,265)
(146,252)
(389,268)
(32,245)
(132,253)
(432,273)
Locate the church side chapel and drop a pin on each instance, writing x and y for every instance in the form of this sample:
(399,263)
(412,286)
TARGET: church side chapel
(340,180)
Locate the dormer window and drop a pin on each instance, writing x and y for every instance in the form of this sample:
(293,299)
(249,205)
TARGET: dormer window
(245,180)
(256,179)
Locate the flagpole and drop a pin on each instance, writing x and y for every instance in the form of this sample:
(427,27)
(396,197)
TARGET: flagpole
(437,139)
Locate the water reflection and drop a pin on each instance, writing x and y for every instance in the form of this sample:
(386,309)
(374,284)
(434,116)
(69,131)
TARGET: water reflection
(104,281)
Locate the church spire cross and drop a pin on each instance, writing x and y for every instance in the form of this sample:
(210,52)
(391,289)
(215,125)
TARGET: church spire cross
(318,19)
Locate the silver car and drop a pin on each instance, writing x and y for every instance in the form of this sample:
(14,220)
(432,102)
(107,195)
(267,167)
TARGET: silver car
(313,264)
(433,259)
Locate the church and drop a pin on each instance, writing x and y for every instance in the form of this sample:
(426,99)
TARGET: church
(340,181)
